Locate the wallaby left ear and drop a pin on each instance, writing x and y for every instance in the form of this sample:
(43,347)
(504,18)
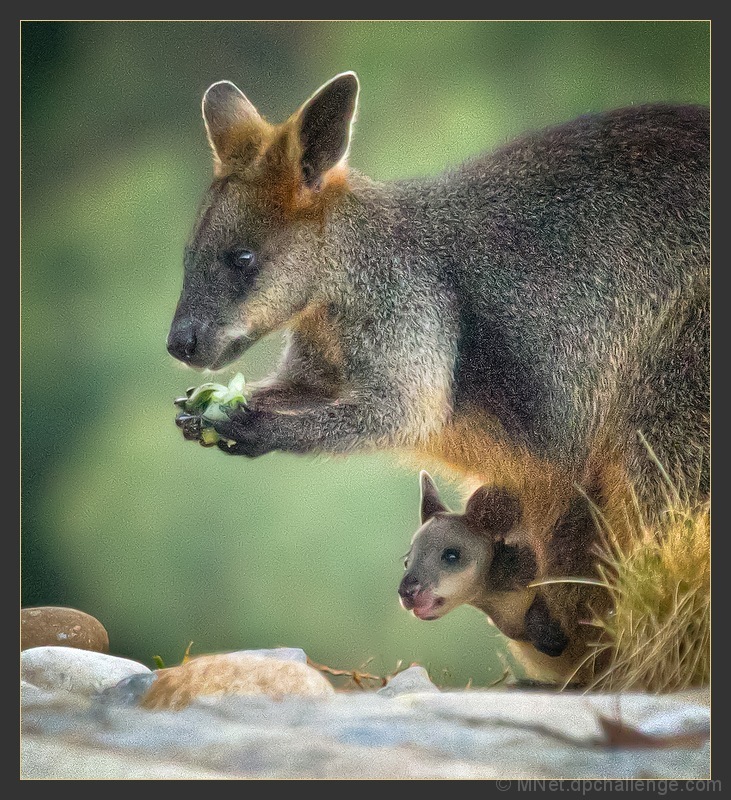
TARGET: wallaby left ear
(228,113)
(431,503)
(325,126)
(493,510)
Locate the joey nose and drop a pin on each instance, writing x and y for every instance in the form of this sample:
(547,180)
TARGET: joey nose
(182,341)
(409,587)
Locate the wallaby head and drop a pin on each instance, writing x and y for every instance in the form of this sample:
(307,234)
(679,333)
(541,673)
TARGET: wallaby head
(451,554)
(255,259)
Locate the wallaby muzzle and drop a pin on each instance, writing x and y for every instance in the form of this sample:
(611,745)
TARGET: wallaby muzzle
(421,601)
(182,341)
(200,344)
(408,587)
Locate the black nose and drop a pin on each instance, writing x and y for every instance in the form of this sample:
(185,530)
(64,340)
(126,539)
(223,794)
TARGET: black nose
(409,586)
(182,340)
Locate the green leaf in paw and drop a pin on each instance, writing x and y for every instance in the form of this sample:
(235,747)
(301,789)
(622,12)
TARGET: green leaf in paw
(213,402)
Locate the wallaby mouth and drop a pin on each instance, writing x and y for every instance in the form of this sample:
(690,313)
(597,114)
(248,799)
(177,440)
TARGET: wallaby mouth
(233,350)
(424,604)
(203,346)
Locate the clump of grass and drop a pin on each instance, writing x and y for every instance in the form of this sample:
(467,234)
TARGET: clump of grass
(657,634)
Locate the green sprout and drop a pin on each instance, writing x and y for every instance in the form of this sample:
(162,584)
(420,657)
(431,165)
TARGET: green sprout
(208,403)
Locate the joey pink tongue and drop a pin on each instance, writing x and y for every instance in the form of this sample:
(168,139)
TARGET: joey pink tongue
(426,605)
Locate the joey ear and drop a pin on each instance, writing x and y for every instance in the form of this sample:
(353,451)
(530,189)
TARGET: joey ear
(494,510)
(227,113)
(431,503)
(325,126)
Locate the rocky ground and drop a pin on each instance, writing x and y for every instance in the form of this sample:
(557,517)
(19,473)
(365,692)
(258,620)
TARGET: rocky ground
(269,714)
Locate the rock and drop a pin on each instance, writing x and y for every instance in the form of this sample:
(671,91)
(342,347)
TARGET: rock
(129,691)
(456,734)
(34,697)
(74,670)
(280,653)
(238,673)
(56,626)
(41,759)
(411,680)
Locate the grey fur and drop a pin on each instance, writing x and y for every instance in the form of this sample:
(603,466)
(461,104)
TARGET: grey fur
(559,284)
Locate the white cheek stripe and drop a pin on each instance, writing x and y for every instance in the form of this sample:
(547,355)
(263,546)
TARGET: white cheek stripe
(235,331)
(459,585)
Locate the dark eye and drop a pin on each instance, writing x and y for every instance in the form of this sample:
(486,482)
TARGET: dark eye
(451,555)
(240,258)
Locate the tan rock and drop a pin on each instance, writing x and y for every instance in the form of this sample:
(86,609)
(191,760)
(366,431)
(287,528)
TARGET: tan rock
(235,674)
(56,626)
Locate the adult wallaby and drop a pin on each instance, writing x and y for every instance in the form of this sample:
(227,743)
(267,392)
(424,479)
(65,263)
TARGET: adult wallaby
(520,318)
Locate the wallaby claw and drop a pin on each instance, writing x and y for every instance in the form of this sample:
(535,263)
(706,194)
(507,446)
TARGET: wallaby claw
(191,426)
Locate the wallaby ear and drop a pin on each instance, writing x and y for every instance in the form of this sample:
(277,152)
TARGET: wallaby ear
(227,113)
(431,503)
(325,126)
(493,510)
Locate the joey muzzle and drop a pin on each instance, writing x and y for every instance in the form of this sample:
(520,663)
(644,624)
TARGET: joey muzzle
(421,601)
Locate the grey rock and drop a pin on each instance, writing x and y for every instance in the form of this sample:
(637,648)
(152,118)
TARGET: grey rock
(128,691)
(74,670)
(34,697)
(460,734)
(42,759)
(411,680)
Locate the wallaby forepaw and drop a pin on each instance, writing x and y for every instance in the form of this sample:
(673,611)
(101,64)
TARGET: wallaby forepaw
(246,433)
(190,424)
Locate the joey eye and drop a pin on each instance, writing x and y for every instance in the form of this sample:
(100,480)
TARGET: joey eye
(240,258)
(451,555)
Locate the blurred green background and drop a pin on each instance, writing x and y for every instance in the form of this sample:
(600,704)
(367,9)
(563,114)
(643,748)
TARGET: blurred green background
(162,540)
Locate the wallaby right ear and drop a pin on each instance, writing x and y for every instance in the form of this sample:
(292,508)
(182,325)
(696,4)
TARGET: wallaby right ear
(325,124)
(229,115)
(431,503)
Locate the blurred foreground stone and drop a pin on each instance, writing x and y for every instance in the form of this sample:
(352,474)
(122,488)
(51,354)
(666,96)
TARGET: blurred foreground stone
(79,732)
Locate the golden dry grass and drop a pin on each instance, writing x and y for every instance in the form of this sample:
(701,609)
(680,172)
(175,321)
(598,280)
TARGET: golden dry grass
(657,635)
